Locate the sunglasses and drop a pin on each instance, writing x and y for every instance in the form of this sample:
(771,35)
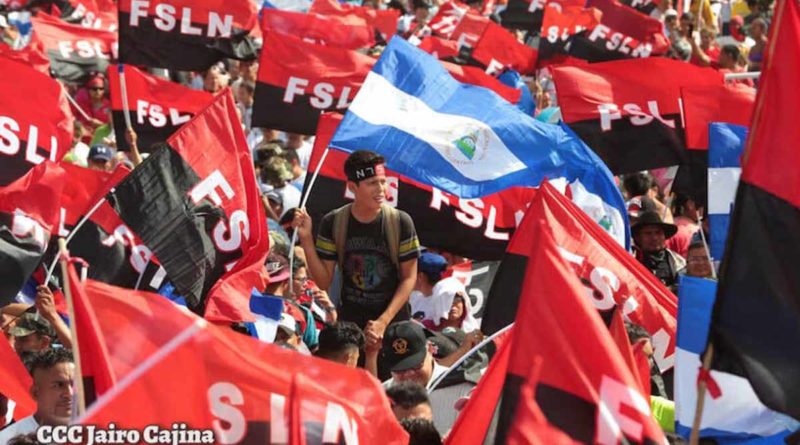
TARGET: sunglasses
(96,89)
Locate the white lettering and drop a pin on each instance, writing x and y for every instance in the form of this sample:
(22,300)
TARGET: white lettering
(323,96)
(336,420)
(490,231)
(9,141)
(279,429)
(138,9)
(293,87)
(208,188)
(229,239)
(608,113)
(612,423)
(220,27)
(470,213)
(165,17)
(186,23)
(223,397)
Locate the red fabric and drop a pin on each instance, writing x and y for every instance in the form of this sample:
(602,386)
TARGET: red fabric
(730,103)
(384,20)
(327,30)
(473,421)
(610,273)
(704,375)
(469,29)
(476,76)
(557,322)
(45,182)
(38,102)
(247,391)
(642,366)
(440,48)
(100,111)
(154,90)
(497,46)
(632,23)
(680,242)
(582,89)
(15,382)
(771,156)
(54,33)
(95,362)
(32,55)
(245,14)
(447,18)
(100,14)
(561,22)
(213,142)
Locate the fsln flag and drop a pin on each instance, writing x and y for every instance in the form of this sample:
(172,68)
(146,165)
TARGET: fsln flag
(15,382)
(725,146)
(196,205)
(28,213)
(189,35)
(755,326)
(730,103)
(736,414)
(465,139)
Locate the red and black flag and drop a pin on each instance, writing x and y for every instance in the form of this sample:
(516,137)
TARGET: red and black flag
(237,389)
(623,33)
(328,30)
(158,107)
(585,387)
(643,6)
(75,52)
(628,111)
(524,14)
(298,80)
(729,103)
(468,31)
(35,120)
(447,18)
(194,202)
(440,48)
(94,14)
(755,325)
(28,212)
(559,25)
(384,20)
(608,273)
(188,35)
(474,228)
(498,49)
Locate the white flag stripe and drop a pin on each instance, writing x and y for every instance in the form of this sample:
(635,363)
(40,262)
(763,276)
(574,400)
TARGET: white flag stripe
(722,184)
(381,103)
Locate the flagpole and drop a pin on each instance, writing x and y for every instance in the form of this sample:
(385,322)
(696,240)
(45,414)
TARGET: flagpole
(73,232)
(694,438)
(465,356)
(302,206)
(708,250)
(123,92)
(63,255)
(78,107)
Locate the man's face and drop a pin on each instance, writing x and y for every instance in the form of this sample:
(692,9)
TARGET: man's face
(421,411)
(298,285)
(650,239)
(370,192)
(457,309)
(31,343)
(697,264)
(671,23)
(421,374)
(100,165)
(53,392)
(96,92)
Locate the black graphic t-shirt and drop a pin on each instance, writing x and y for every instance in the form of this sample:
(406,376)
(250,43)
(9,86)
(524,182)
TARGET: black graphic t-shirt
(369,278)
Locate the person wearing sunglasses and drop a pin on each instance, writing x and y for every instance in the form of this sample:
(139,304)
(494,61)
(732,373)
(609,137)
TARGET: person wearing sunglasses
(94,102)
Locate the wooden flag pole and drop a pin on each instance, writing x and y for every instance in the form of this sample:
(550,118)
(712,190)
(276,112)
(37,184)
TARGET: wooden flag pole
(694,438)
(76,351)
(123,92)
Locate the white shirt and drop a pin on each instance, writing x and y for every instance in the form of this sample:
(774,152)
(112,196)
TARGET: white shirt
(290,197)
(25,426)
(304,154)
(421,303)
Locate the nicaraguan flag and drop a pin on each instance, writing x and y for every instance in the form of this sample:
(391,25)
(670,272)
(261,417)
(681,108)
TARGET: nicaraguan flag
(465,139)
(737,416)
(267,311)
(725,146)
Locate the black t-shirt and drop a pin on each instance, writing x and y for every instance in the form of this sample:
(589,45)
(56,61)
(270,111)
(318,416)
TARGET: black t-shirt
(369,278)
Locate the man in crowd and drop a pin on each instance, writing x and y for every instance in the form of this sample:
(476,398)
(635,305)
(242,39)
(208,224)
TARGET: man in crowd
(650,234)
(409,400)
(101,157)
(697,262)
(375,246)
(430,267)
(32,333)
(408,354)
(53,371)
(341,342)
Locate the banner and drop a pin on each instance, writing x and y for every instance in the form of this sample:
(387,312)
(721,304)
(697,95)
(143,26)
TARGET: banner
(185,35)
(559,25)
(32,55)
(628,111)
(385,20)
(497,48)
(729,103)
(324,30)
(158,107)
(35,120)
(15,382)
(196,205)
(75,52)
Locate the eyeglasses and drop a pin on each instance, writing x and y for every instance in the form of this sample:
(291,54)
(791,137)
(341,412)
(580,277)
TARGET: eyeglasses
(96,89)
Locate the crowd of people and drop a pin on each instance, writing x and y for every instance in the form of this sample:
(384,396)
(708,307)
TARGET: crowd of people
(360,289)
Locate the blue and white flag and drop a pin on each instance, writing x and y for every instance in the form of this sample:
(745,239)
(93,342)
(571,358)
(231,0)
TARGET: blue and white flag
(737,416)
(267,311)
(287,5)
(725,146)
(465,139)
(515,80)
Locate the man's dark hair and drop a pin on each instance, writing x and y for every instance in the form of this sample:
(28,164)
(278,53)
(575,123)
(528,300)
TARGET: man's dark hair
(421,431)
(48,358)
(407,394)
(636,332)
(24,439)
(637,184)
(338,337)
(361,159)
(732,51)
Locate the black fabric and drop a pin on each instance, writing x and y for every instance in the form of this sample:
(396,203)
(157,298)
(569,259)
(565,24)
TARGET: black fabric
(503,298)
(270,111)
(75,69)
(755,326)
(629,148)
(582,47)
(517,16)
(15,167)
(19,256)
(154,202)
(147,45)
(146,135)
(369,278)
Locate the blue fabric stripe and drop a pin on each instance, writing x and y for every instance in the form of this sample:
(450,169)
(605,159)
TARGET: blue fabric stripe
(729,438)
(695,300)
(266,305)
(718,225)
(725,144)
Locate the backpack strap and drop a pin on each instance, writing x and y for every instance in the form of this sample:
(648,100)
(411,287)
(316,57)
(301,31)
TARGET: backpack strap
(391,227)
(340,220)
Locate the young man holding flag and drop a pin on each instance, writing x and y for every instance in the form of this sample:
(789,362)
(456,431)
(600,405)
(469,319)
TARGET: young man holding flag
(375,245)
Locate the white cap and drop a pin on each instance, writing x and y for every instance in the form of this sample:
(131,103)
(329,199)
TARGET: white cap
(670,13)
(288,322)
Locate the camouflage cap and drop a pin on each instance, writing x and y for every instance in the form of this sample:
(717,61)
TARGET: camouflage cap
(276,170)
(31,323)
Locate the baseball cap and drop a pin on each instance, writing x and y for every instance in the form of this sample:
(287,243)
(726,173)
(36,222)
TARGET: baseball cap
(275,197)
(276,170)
(431,263)
(288,323)
(101,152)
(670,13)
(29,324)
(277,267)
(405,345)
